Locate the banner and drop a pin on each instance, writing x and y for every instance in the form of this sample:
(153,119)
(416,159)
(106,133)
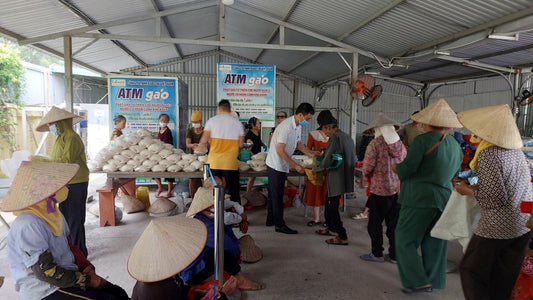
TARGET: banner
(142,100)
(251,90)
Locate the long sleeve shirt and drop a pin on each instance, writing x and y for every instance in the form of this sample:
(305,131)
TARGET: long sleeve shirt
(504,181)
(378,162)
(426,179)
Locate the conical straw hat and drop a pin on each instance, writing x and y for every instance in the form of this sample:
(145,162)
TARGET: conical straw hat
(438,114)
(57,114)
(35,182)
(203,198)
(166,247)
(494,124)
(381,120)
(250,251)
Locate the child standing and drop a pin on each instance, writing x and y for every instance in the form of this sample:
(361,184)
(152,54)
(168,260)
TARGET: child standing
(120,123)
(165,135)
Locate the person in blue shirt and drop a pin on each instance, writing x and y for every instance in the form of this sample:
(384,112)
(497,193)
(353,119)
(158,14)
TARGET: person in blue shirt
(203,267)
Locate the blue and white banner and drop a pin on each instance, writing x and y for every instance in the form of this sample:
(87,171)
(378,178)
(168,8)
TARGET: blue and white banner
(142,100)
(251,90)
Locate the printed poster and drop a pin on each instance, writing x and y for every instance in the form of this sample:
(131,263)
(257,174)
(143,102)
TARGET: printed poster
(251,90)
(142,100)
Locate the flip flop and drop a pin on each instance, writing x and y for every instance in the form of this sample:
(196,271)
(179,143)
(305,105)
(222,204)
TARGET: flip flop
(336,241)
(426,289)
(256,286)
(313,223)
(325,232)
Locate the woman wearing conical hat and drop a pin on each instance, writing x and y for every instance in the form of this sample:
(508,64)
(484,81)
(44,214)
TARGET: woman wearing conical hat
(494,255)
(202,209)
(69,148)
(42,261)
(166,247)
(426,173)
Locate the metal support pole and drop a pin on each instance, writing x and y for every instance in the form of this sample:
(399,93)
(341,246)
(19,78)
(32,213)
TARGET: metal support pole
(219,234)
(69,89)
(516,90)
(219,227)
(353,116)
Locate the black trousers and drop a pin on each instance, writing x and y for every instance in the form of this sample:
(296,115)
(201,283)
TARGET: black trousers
(231,265)
(382,208)
(74,210)
(490,267)
(108,292)
(276,185)
(333,218)
(232,183)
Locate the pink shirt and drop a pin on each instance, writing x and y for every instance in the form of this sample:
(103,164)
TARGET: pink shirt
(378,162)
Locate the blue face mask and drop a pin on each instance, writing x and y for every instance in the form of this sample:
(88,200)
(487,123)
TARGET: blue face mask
(304,123)
(53,129)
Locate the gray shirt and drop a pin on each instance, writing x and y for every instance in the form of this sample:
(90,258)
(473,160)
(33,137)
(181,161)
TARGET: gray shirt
(341,179)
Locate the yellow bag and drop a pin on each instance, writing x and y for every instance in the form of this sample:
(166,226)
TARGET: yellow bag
(315,178)
(142,193)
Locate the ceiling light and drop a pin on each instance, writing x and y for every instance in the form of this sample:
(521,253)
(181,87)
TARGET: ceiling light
(228,2)
(504,37)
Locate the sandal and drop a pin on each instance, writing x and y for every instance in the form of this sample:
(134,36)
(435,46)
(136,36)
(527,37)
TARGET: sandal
(313,223)
(256,286)
(337,241)
(426,289)
(360,216)
(325,232)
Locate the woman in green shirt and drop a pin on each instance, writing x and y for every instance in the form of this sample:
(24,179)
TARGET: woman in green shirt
(69,148)
(426,173)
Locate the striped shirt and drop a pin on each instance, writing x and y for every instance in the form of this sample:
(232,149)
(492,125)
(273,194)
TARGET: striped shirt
(225,131)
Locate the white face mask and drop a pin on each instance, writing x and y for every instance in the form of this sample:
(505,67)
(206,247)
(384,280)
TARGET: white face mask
(163,124)
(196,125)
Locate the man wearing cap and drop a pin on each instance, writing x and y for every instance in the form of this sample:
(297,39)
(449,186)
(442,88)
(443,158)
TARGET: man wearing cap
(42,261)
(426,173)
(340,177)
(285,140)
(384,151)
(225,136)
(492,261)
(69,148)
(192,140)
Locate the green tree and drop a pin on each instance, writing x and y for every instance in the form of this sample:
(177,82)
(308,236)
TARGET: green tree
(11,86)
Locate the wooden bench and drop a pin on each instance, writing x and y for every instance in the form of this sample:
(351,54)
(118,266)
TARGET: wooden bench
(107,196)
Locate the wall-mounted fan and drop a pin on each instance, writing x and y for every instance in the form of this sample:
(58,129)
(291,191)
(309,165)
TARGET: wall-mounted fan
(363,88)
(525,97)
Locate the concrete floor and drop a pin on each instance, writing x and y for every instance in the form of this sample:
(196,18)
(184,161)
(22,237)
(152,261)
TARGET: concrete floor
(298,266)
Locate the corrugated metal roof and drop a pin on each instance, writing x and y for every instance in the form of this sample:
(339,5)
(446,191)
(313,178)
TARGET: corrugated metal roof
(113,10)
(401,27)
(34,17)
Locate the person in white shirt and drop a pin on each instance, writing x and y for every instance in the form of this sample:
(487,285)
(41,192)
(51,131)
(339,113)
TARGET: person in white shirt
(285,140)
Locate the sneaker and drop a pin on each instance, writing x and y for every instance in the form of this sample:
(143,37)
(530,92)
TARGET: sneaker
(372,258)
(392,261)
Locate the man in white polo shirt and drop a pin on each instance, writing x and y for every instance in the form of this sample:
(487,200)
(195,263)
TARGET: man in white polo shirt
(285,140)
(225,135)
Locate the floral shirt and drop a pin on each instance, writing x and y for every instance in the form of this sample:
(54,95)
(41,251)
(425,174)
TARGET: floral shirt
(378,162)
(504,181)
